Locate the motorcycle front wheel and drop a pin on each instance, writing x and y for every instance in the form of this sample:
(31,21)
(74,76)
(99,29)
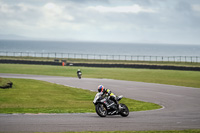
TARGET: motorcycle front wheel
(101,110)
(124,111)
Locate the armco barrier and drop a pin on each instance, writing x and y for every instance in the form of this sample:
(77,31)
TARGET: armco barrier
(139,66)
(102,65)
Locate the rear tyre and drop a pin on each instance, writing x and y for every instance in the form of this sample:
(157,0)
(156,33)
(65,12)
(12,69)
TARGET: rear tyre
(124,111)
(101,110)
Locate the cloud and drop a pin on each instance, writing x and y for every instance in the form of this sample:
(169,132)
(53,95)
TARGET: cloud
(196,8)
(102,20)
(52,10)
(122,9)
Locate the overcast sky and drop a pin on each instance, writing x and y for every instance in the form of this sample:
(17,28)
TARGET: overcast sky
(144,21)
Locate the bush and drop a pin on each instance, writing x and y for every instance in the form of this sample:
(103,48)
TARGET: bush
(5,83)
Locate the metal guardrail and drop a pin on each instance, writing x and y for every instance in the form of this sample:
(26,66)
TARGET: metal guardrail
(192,59)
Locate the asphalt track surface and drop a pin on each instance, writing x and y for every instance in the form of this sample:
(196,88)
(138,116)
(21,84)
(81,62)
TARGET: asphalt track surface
(181,108)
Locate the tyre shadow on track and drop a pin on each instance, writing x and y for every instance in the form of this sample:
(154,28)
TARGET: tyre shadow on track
(111,116)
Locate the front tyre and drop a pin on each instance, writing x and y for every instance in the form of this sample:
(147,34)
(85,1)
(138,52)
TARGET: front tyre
(101,110)
(124,111)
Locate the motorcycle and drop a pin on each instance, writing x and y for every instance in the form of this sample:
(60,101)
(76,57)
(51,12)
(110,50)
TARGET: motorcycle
(104,106)
(79,75)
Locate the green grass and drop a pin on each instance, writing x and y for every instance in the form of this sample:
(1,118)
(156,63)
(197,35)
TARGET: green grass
(32,96)
(171,77)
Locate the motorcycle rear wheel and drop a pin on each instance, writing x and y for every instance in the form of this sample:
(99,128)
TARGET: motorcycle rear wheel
(101,110)
(125,111)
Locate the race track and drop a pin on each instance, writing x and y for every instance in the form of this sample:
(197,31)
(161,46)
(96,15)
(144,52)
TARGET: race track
(181,108)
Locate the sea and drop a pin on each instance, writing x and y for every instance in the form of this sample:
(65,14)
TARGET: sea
(99,48)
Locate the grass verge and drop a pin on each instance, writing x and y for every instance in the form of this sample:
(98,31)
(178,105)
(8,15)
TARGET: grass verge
(32,96)
(171,77)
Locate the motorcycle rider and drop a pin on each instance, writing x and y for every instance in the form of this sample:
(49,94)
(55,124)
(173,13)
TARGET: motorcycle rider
(78,71)
(111,95)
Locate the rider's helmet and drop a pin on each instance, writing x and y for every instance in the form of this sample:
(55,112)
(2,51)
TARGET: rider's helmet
(101,88)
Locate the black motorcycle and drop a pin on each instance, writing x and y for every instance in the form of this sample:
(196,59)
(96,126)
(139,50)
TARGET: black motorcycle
(79,75)
(104,106)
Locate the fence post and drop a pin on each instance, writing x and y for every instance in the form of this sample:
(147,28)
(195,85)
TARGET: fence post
(196,59)
(185,59)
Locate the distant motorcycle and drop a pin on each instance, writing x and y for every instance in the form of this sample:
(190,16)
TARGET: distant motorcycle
(104,106)
(79,75)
